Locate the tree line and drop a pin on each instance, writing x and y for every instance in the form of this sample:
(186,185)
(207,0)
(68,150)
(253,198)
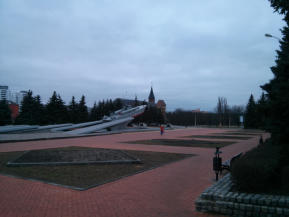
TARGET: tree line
(256,113)
(34,112)
(224,115)
(151,116)
(272,110)
(55,111)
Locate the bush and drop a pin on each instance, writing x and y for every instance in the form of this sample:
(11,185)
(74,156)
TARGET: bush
(285,178)
(257,170)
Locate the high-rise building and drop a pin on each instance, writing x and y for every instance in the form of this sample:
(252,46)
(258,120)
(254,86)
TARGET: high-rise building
(20,95)
(12,96)
(3,92)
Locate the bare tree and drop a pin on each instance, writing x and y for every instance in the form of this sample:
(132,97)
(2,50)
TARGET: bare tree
(222,110)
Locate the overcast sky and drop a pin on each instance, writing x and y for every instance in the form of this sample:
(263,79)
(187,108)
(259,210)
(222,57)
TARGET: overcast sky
(191,51)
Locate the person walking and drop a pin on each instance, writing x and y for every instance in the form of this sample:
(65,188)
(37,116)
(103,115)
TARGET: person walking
(162,128)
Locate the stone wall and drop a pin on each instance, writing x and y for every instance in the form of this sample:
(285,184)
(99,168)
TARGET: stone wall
(219,199)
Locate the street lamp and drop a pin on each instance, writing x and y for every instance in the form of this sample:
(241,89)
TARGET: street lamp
(195,113)
(272,36)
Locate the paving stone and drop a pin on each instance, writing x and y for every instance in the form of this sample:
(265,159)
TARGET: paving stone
(239,199)
(261,201)
(229,212)
(279,211)
(271,210)
(264,209)
(285,212)
(246,199)
(287,202)
(248,213)
(274,202)
(230,205)
(237,206)
(139,195)
(282,202)
(268,201)
(257,208)
(242,206)
(249,207)
(253,200)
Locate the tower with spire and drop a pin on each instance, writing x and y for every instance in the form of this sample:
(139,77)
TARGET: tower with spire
(151,98)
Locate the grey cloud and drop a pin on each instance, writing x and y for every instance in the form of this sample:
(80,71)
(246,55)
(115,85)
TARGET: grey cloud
(192,51)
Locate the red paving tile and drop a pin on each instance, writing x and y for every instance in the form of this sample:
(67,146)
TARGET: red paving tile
(165,191)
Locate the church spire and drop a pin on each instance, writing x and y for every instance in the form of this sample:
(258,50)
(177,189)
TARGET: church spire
(152,97)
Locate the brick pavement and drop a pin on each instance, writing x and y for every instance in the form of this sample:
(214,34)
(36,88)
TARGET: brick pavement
(165,191)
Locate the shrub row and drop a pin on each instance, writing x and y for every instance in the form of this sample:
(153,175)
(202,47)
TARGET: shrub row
(259,170)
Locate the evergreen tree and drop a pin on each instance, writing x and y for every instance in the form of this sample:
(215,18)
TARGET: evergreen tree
(278,88)
(93,113)
(107,108)
(56,111)
(73,111)
(110,105)
(262,112)
(38,111)
(26,115)
(82,110)
(99,113)
(151,115)
(136,103)
(117,104)
(5,113)
(32,110)
(250,120)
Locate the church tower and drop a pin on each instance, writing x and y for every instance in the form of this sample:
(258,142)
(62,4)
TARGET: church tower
(152,97)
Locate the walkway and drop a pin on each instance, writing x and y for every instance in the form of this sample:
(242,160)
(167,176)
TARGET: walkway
(168,191)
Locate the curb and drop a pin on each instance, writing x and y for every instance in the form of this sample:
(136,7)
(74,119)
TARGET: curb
(220,199)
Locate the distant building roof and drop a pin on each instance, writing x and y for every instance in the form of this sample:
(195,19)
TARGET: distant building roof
(161,103)
(129,102)
(199,111)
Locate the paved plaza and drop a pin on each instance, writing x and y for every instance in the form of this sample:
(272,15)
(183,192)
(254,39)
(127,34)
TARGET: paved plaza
(167,191)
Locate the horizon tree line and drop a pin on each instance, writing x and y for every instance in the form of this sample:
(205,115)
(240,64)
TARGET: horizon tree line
(223,115)
(55,111)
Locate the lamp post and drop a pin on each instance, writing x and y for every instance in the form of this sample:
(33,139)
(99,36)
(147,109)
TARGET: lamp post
(195,113)
(272,36)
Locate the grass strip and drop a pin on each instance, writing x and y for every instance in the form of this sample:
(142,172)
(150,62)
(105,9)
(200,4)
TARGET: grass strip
(223,136)
(182,142)
(86,176)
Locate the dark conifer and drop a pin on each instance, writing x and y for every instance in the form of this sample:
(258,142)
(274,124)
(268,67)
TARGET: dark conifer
(73,111)
(93,113)
(278,88)
(250,120)
(262,112)
(136,103)
(38,110)
(26,115)
(5,113)
(82,110)
(56,111)
(117,104)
